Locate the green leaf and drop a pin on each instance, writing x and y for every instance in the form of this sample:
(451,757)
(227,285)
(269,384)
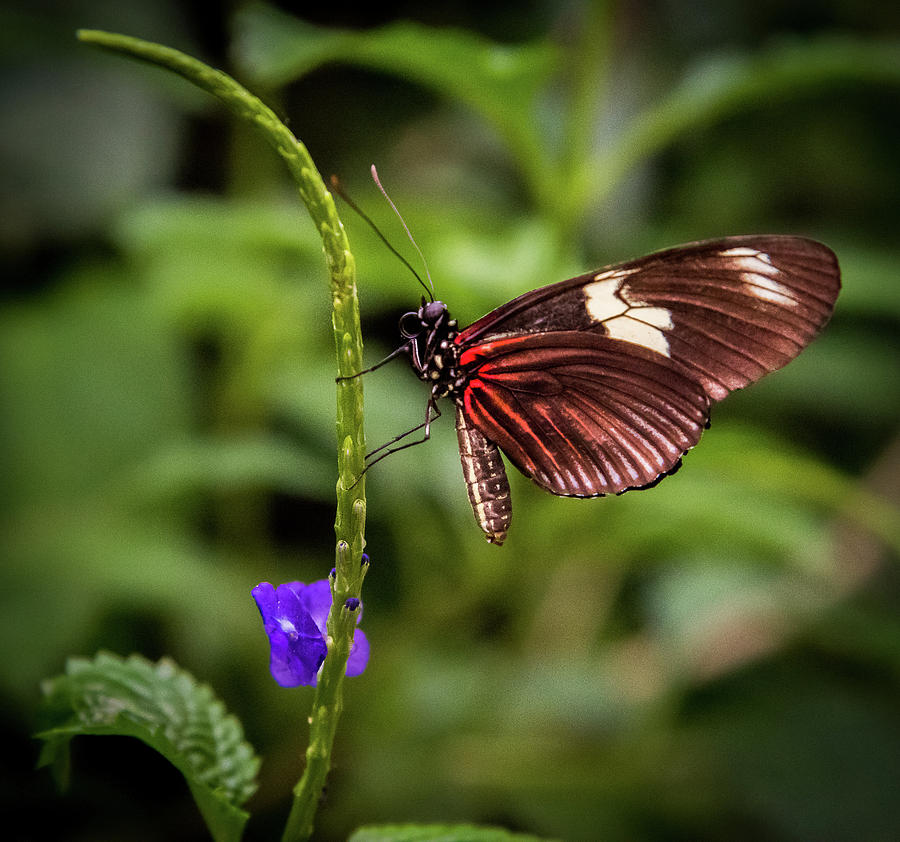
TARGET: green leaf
(726,84)
(166,708)
(226,465)
(863,270)
(502,82)
(276,48)
(438,833)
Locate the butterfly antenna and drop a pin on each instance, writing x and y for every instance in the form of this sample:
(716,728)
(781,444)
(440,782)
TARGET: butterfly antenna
(408,233)
(338,188)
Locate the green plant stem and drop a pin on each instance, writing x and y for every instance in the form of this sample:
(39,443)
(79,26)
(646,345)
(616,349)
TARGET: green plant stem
(351,504)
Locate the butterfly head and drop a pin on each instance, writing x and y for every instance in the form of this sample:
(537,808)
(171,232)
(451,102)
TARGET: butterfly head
(429,332)
(431,316)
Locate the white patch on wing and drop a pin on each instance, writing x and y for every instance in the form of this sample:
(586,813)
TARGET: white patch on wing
(647,335)
(625,318)
(616,273)
(744,251)
(759,273)
(740,251)
(751,260)
(601,297)
(762,286)
(657,316)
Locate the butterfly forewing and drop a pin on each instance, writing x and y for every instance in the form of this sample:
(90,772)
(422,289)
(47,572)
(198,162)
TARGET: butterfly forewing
(729,311)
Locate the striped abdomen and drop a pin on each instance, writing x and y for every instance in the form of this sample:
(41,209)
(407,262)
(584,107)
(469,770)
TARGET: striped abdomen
(486,480)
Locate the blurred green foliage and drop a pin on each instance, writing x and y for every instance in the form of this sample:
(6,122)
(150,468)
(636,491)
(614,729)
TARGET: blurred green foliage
(717,658)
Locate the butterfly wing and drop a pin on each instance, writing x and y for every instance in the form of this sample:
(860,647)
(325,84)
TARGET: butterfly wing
(601,383)
(583,414)
(729,311)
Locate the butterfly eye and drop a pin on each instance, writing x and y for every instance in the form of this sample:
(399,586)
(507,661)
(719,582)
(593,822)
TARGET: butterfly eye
(411,325)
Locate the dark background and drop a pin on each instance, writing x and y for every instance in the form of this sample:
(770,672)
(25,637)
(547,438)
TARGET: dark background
(717,658)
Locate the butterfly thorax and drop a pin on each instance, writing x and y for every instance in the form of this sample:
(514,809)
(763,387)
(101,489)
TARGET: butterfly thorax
(433,353)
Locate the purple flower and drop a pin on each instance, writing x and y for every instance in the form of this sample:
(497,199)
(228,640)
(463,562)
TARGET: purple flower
(294,618)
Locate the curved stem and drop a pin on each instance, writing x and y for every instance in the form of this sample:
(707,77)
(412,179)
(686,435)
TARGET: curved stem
(351,502)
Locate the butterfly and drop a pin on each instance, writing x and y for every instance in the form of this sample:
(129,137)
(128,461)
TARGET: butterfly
(601,383)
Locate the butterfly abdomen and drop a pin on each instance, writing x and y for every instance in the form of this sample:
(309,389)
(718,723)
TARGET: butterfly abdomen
(486,480)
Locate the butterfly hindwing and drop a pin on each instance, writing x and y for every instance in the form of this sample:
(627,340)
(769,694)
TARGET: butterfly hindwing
(581,414)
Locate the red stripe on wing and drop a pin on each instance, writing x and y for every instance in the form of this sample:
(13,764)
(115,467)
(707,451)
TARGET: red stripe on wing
(581,414)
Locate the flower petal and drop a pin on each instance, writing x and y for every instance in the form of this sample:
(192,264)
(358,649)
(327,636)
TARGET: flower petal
(297,646)
(316,600)
(359,653)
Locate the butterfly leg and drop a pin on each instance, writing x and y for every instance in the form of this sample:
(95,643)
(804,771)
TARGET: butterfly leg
(430,407)
(403,349)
